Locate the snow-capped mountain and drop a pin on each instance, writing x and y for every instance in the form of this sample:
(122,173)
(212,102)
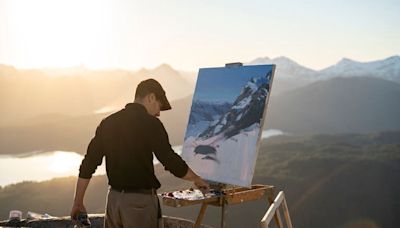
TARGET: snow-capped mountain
(286,68)
(225,151)
(246,111)
(204,114)
(289,75)
(207,111)
(388,68)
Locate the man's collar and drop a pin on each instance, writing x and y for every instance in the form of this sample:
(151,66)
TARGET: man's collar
(136,106)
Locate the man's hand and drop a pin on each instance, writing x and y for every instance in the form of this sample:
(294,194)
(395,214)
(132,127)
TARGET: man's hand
(198,181)
(76,208)
(202,185)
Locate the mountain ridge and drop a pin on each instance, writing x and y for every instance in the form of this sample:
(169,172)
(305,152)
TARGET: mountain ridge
(338,105)
(342,104)
(388,68)
(28,98)
(283,60)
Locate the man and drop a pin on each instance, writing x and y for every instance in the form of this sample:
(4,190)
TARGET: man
(128,139)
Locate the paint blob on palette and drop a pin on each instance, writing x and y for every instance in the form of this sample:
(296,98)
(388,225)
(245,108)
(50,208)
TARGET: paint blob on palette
(192,194)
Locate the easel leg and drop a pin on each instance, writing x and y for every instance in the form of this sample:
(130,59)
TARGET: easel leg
(201,215)
(286,214)
(224,212)
(277,216)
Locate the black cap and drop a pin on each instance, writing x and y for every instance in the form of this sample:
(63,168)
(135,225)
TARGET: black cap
(152,86)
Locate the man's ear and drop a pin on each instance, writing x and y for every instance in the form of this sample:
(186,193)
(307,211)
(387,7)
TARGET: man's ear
(152,97)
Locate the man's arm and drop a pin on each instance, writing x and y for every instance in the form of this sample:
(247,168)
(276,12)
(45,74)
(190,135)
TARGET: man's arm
(198,181)
(172,161)
(81,186)
(92,159)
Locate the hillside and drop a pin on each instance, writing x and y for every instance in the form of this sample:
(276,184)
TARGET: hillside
(50,132)
(338,105)
(346,180)
(25,94)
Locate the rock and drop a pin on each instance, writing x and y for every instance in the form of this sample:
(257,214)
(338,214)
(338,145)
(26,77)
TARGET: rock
(96,220)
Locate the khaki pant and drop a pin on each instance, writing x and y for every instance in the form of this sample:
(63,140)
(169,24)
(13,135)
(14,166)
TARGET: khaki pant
(131,210)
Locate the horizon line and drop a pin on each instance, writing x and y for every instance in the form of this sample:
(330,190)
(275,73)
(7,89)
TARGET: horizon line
(84,67)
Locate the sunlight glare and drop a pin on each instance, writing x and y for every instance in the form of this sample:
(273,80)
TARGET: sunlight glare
(63,162)
(60,33)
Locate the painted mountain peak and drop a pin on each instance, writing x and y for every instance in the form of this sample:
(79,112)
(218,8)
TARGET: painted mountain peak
(245,111)
(221,138)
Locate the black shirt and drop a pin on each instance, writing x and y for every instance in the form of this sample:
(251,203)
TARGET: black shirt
(128,139)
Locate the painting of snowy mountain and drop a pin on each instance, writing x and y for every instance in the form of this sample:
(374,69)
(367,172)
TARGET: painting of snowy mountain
(225,122)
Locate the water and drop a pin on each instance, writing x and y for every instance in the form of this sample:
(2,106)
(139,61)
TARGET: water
(40,167)
(44,166)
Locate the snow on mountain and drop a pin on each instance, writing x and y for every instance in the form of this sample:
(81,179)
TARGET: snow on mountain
(286,67)
(204,114)
(388,69)
(288,75)
(207,111)
(245,111)
(221,129)
(229,161)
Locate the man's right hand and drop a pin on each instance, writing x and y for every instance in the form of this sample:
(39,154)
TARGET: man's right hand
(76,209)
(198,181)
(202,185)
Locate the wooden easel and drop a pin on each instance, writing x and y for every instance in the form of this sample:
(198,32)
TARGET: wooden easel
(273,210)
(232,196)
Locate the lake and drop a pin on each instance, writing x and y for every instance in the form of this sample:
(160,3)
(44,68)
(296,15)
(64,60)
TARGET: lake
(47,165)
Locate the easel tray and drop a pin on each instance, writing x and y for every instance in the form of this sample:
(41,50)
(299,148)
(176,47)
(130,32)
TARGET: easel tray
(230,196)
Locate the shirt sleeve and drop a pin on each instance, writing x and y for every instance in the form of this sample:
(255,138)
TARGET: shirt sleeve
(164,152)
(93,157)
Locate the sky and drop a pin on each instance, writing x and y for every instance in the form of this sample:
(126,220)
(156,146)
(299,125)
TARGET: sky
(188,35)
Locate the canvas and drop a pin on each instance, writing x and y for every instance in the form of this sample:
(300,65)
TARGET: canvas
(225,122)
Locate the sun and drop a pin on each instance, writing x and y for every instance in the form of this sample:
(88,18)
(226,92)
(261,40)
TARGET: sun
(47,33)
(64,162)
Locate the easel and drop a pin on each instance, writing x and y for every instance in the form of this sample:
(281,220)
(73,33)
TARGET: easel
(273,210)
(232,196)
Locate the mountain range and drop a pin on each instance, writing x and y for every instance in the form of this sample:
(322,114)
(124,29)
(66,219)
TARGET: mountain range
(334,167)
(246,110)
(204,113)
(42,112)
(388,68)
(291,75)
(351,104)
(26,94)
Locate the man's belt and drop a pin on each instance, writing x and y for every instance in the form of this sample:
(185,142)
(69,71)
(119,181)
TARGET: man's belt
(134,190)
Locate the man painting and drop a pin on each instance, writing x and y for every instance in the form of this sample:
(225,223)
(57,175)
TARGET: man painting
(127,139)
